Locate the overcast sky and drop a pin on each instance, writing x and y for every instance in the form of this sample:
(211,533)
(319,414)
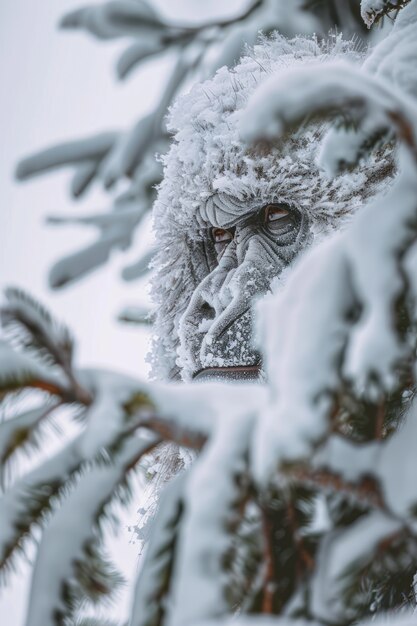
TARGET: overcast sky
(57,86)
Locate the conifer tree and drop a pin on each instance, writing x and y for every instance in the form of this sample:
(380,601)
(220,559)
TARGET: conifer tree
(300,505)
(130,156)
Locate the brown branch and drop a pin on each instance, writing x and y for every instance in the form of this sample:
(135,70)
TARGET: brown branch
(81,395)
(168,430)
(152,445)
(61,356)
(388,8)
(379,422)
(78,394)
(32,516)
(365,492)
(306,560)
(186,33)
(268,592)
(405,130)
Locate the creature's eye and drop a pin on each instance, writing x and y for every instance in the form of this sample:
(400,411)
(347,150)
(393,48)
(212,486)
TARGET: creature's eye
(221,238)
(277,217)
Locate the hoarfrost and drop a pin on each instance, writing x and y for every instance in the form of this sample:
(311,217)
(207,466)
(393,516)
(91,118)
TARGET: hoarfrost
(212,179)
(58,563)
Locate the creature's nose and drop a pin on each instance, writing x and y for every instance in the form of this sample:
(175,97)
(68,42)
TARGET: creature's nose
(207,310)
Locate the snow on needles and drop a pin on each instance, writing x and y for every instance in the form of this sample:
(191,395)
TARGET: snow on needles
(315,345)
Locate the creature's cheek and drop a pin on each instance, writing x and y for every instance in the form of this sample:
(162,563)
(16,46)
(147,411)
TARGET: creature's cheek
(207,302)
(216,328)
(260,261)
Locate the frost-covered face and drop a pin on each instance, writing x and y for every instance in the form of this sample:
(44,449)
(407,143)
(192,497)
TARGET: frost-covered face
(229,218)
(247,254)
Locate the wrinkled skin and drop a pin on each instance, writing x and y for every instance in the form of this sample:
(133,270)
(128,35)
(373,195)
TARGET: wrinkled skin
(216,327)
(204,290)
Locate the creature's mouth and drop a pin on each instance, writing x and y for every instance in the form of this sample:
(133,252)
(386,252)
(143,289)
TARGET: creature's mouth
(239,372)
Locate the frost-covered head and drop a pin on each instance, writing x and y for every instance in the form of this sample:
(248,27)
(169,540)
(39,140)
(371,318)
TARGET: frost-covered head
(229,219)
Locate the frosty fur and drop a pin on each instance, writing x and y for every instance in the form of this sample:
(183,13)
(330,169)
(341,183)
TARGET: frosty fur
(212,179)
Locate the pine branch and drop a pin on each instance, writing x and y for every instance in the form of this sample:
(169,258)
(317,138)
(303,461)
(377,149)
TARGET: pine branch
(269,579)
(154,584)
(372,12)
(244,565)
(29,500)
(95,579)
(78,152)
(19,371)
(253,6)
(33,328)
(62,578)
(383,580)
(211,519)
(366,492)
(169,430)
(20,431)
(289,547)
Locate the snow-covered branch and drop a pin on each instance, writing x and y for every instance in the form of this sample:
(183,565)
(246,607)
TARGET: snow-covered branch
(129,155)
(374,10)
(299,501)
(366,103)
(63,577)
